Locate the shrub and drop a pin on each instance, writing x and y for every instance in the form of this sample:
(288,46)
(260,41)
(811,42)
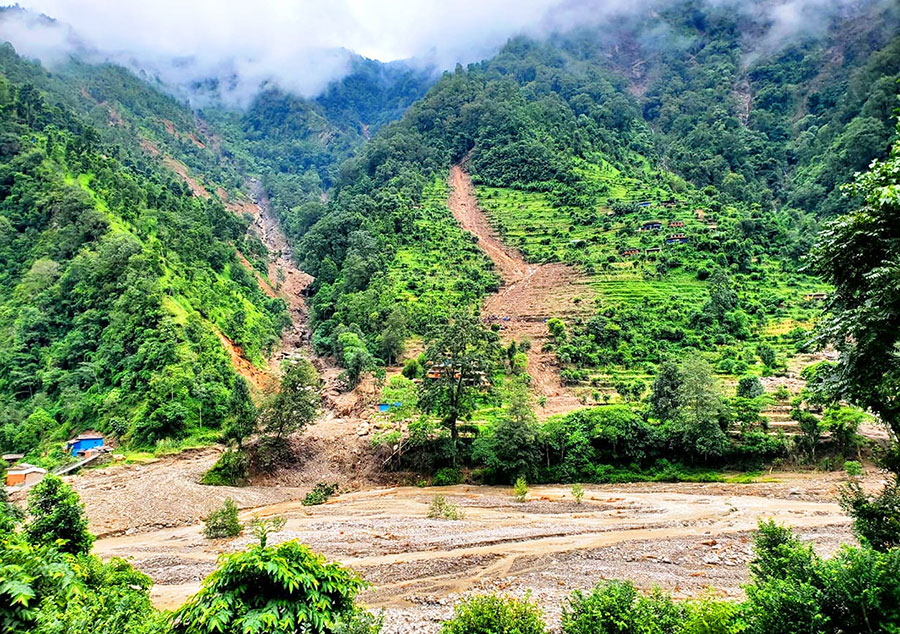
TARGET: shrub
(615,607)
(231,469)
(520,490)
(56,513)
(223,522)
(320,494)
(442,509)
(286,588)
(876,519)
(491,614)
(359,621)
(577,492)
(447,476)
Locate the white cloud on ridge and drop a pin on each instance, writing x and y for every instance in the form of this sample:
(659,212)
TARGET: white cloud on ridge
(301,45)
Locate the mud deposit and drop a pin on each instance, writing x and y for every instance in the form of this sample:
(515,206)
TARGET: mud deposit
(681,537)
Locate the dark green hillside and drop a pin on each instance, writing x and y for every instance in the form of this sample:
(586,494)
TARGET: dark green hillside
(567,137)
(116,282)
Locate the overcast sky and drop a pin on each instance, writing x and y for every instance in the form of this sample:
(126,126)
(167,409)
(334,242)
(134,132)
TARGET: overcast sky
(298,43)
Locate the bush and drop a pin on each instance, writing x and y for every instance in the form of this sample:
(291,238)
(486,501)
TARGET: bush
(447,476)
(320,494)
(223,522)
(520,490)
(876,519)
(577,492)
(491,614)
(57,515)
(359,621)
(615,607)
(285,588)
(442,509)
(231,469)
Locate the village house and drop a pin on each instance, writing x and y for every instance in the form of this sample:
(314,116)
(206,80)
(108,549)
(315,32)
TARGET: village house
(817,297)
(676,238)
(24,474)
(630,252)
(83,443)
(651,226)
(676,223)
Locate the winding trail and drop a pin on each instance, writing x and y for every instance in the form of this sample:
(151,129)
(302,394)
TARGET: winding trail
(531,294)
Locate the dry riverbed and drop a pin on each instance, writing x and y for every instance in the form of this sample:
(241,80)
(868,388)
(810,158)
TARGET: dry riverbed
(681,537)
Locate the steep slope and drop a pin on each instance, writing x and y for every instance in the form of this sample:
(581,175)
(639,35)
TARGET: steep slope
(668,171)
(118,282)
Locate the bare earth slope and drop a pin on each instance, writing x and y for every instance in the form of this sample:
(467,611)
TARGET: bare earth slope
(531,294)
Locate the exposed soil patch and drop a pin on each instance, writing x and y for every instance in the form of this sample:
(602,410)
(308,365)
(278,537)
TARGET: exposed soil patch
(531,294)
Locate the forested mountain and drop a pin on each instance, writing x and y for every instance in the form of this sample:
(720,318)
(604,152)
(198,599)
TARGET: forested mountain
(578,140)
(122,267)
(687,118)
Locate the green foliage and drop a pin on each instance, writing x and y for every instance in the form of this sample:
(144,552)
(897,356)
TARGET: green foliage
(56,517)
(283,588)
(320,494)
(440,508)
(520,489)
(615,607)
(491,614)
(359,621)
(223,522)
(876,518)
(577,493)
(464,355)
(242,417)
(297,402)
(510,449)
(447,476)
(262,527)
(231,469)
(857,253)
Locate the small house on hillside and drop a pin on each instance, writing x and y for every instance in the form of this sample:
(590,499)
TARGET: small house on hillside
(24,474)
(644,203)
(676,223)
(651,226)
(653,250)
(82,443)
(11,458)
(676,238)
(810,297)
(630,252)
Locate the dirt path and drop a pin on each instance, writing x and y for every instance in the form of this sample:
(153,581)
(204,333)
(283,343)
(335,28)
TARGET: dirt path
(531,294)
(682,537)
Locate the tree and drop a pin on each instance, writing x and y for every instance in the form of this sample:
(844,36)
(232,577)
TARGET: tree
(749,387)
(766,354)
(285,588)
(697,426)
(859,255)
(57,515)
(511,450)
(665,392)
(241,422)
(354,355)
(462,356)
(392,338)
(296,404)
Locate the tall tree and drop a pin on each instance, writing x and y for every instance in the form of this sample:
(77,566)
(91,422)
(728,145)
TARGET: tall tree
(859,254)
(296,404)
(462,355)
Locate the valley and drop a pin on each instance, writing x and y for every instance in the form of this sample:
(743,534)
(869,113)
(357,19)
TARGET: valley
(684,538)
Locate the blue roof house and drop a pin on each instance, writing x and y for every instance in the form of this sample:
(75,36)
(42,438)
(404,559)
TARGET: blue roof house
(83,442)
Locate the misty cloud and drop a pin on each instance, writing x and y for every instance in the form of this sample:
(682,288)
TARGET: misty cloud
(233,46)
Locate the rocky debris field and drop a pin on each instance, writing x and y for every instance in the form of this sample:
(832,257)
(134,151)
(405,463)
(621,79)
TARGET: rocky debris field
(682,537)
